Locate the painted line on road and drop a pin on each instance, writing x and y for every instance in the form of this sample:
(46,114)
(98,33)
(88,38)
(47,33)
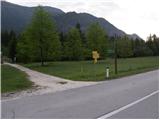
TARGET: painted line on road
(127,106)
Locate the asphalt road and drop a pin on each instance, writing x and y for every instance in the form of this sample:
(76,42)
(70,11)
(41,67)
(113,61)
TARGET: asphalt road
(129,97)
(149,106)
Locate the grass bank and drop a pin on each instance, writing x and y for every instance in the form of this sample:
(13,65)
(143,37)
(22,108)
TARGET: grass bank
(13,79)
(87,71)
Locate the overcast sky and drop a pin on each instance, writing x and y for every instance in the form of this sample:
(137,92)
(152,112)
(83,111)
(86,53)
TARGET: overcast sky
(132,16)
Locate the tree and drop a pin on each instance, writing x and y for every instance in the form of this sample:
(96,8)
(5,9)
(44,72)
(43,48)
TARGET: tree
(24,49)
(86,52)
(8,46)
(12,46)
(73,45)
(124,47)
(96,39)
(82,35)
(78,26)
(153,43)
(140,48)
(41,37)
(156,45)
(5,37)
(4,42)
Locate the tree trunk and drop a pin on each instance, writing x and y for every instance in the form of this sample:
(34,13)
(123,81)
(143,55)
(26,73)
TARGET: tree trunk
(42,61)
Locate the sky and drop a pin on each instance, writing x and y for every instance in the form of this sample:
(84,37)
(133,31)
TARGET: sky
(132,16)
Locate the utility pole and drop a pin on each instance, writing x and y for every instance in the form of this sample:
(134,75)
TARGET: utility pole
(115,54)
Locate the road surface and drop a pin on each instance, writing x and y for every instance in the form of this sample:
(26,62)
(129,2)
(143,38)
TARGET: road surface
(128,97)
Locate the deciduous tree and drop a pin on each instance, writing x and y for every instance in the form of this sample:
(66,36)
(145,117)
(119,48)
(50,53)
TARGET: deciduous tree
(73,45)
(96,39)
(42,38)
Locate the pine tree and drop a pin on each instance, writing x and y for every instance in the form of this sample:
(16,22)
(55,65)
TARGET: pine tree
(140,48)
(156,44)
(124,47)
(82,35)
(5,37)
(12,46)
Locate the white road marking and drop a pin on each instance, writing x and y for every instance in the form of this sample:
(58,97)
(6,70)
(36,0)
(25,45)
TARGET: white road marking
(127,106)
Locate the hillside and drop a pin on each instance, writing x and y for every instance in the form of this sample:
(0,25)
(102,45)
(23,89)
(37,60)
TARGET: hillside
(16,17)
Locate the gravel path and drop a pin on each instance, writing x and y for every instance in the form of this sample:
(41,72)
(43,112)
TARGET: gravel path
(43,83)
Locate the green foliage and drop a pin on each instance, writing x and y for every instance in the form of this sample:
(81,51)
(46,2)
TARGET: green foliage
(73,49)
(110,46)
(4,50)
(140,48)
(8,43)
(13,79)
(153,44)
(124,47)
(5,37)
(82,35)
(96,39)
(134,48)
(24,49)
(12,46)
(41,38)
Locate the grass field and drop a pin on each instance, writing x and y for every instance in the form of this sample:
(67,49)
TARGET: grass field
(87,71)
(13,80)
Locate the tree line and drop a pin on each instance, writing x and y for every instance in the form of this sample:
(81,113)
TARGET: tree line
(127,47)
(40,41)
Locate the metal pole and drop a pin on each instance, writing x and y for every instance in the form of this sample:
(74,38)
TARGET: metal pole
(95,70)
(115,53)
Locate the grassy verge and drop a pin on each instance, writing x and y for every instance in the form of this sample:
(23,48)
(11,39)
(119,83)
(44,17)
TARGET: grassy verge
(87,71)
(13,79)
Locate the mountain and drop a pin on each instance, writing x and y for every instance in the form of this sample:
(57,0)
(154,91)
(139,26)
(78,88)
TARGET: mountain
(70,19)
(134,36)
(16,17)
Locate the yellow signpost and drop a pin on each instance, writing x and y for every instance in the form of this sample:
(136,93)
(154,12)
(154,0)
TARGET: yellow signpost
(95,56)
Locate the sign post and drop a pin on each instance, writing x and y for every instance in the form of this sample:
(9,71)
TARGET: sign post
(95,56)
(107,72)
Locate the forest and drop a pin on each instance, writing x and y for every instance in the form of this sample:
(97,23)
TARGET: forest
(41,42)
